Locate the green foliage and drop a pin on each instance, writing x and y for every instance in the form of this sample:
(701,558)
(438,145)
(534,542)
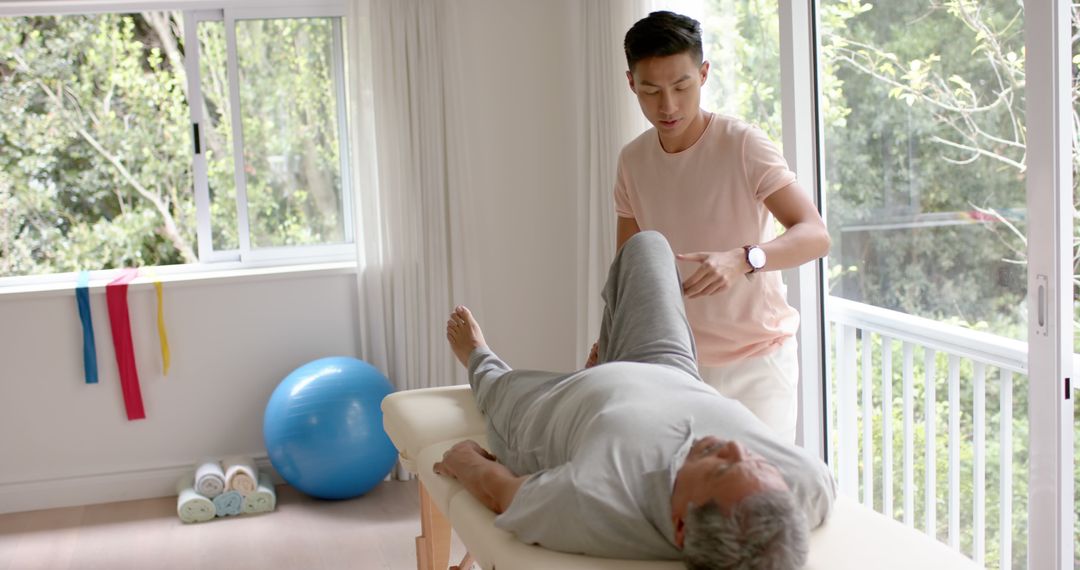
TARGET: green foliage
(289,119)
(935,124)
(926,159)
(742,42)
(93,161)
(96,150)
(993,381)
(922,105)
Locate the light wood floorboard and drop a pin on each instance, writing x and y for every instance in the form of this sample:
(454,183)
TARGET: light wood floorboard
(373,532)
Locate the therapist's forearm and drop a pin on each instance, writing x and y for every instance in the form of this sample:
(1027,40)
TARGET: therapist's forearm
(801,243)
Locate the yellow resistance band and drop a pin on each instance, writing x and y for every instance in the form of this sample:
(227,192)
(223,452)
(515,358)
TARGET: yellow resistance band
(162,335)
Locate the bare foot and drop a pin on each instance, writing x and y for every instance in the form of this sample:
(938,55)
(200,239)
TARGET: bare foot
(464,334)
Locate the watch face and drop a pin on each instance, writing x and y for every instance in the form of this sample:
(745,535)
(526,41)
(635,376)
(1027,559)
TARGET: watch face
(756,257)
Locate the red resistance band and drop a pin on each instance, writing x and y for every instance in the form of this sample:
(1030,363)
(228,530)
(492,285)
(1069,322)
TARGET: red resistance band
(116,298)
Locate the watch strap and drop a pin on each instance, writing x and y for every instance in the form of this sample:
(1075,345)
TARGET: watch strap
(746,253)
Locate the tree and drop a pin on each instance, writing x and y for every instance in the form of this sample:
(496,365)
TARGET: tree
(923,110)
(943,81)
(96,149)
(93,156)
(902,202)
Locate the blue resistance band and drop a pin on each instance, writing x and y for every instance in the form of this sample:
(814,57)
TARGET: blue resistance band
(82,296)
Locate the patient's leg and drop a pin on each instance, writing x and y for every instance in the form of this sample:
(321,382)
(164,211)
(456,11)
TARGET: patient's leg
(502,394)
(464,334)
(467,341)
(486,369)
(644,316)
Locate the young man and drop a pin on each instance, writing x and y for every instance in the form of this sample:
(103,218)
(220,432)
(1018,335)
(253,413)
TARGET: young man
(635,457)
(712,185)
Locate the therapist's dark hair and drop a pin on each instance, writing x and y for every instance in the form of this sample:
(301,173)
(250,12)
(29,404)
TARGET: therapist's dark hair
(661,34)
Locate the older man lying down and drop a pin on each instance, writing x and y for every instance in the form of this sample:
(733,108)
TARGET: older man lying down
(635,457)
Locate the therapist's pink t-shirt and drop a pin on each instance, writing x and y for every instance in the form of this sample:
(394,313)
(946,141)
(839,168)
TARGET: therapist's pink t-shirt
(710,197)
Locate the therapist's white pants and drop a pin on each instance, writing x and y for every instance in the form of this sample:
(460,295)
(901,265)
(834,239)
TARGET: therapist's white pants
(765,384)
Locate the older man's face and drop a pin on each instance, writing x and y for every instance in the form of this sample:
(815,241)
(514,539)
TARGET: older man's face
(723,472)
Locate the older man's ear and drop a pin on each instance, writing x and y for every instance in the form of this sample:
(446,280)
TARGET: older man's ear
(680,529)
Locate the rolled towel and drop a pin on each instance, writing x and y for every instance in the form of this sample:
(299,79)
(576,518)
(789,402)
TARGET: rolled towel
(210,478)
(240,474)
(228,503)
(192,507)
(263,499)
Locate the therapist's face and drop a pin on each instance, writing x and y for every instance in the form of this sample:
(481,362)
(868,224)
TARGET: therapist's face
(668,90)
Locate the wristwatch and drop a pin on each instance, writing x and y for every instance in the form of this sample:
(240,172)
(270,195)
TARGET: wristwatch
(755,257)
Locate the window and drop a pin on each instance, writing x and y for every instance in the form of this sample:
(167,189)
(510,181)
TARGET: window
(165,138)
(287,135)
(927,177)
(1075,96)
(923,116)
(741,41)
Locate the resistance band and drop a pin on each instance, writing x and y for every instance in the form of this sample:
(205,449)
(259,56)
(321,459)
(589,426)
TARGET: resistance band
(89,350)
(116,297)
(163,337)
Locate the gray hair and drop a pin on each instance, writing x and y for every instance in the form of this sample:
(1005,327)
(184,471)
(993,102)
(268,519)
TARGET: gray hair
(765,531)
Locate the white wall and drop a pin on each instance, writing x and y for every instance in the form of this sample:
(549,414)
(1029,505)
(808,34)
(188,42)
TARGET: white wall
(231,342)
(63,442)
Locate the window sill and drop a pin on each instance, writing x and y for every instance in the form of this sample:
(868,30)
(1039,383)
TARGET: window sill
(187,275)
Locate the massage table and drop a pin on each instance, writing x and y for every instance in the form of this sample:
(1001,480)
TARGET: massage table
(425,423)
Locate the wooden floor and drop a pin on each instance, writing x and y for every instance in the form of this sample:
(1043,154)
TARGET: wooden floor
(372,532)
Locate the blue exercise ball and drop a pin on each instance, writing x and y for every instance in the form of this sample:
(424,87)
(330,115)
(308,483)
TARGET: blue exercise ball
(323,428)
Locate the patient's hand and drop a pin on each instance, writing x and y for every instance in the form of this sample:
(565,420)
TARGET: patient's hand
(492,483)
(463,456)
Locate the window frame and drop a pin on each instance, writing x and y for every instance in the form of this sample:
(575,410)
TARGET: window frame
(229,16)
(1050,208)
(1048,68)
(802,135)
(211,261)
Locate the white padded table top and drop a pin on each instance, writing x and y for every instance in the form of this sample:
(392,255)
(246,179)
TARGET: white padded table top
(425,423)
(415,419)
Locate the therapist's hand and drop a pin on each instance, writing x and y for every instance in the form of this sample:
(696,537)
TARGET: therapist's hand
(716,271)
(594,355)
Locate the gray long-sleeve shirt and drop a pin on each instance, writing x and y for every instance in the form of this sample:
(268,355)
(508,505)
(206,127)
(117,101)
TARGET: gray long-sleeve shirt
(603,445)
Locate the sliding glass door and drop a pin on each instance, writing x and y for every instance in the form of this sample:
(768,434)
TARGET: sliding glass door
(937,336)
(944,296)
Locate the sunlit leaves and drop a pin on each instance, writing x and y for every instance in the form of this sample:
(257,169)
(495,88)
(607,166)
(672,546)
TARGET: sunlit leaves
(96,147)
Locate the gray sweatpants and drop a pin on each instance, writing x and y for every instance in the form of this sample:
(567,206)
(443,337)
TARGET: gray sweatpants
(644,321)
(644,316)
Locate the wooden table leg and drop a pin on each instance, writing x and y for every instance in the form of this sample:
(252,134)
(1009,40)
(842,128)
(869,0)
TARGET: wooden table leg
(466,563)
(433,544)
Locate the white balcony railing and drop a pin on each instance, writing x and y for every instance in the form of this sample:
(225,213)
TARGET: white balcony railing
(864,340)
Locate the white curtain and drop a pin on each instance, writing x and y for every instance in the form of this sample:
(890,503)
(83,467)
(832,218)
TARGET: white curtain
(411,239)
(611,119)
(410,271)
